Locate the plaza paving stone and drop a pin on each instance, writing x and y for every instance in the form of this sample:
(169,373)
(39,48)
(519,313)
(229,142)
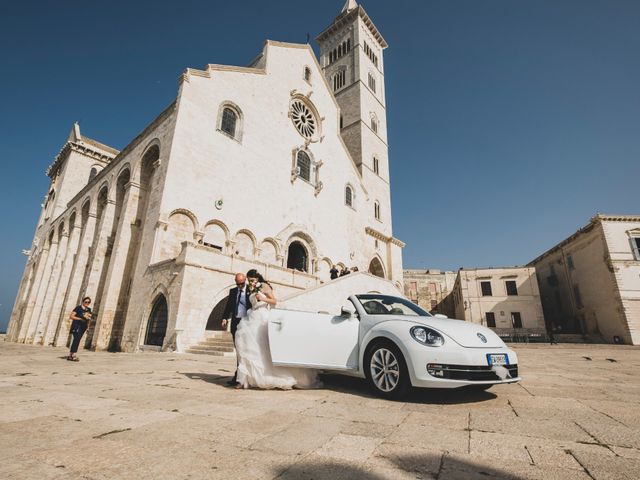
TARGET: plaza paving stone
(575,415)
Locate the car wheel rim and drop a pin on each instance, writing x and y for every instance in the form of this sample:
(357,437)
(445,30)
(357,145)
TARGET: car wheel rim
(385,370)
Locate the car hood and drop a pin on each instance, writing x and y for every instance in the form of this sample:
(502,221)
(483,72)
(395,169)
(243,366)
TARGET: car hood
(464,333)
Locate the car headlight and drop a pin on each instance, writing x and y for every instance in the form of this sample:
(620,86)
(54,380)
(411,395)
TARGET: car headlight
(427,336)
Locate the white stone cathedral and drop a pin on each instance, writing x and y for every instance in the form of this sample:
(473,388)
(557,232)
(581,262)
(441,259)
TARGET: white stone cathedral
(281,166)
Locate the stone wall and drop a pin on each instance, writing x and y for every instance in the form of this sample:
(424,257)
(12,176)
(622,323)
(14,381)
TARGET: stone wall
(431,289)
(590,282)
(471,305)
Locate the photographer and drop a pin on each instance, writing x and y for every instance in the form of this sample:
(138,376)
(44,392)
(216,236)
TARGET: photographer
(80,316)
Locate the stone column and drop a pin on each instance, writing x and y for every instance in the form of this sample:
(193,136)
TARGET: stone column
(45,314)
(73,292)
(42,290)
(57,318)
(98,257)
(18,305)
(30,301)
(117,275)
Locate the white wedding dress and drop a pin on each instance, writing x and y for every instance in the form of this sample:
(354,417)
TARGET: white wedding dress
(255,368)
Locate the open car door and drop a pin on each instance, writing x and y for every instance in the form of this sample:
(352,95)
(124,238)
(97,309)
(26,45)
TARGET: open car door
(314,340)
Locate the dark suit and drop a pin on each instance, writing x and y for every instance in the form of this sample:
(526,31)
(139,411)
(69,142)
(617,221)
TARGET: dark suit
(231,309)
(231,312)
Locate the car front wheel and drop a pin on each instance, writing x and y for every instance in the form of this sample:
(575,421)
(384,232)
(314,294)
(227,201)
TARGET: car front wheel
(387,371)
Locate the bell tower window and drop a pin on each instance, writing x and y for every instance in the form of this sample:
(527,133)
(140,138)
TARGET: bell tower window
(374,123)
(339,80)
(372,83)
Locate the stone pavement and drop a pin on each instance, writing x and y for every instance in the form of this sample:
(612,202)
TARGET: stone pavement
(576,415)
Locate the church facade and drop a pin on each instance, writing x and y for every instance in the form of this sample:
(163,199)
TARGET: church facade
(281,166)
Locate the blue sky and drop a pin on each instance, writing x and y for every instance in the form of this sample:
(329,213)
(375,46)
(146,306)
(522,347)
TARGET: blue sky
(511,123)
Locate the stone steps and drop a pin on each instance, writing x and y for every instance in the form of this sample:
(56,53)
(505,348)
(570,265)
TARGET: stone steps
(204,351)
(215,341)
(218,344)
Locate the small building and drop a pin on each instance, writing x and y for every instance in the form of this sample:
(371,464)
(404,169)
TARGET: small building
(504,299)
(431,289)
(590,282)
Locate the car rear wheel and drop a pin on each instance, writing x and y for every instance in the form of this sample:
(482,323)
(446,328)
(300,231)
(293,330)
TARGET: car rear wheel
(387,371)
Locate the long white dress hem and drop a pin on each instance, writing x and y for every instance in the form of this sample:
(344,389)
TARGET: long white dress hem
(255,367)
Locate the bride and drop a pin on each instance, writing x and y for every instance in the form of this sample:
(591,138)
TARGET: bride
(255,368)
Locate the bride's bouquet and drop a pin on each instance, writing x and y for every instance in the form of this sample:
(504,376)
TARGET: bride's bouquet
(255,288)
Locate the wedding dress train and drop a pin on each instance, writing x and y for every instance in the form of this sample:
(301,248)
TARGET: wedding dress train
(255,367)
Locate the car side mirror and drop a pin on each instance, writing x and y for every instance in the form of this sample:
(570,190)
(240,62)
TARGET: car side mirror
(440,315)
(347,311)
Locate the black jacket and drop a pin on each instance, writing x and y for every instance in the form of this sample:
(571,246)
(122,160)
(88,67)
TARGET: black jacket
(231,309)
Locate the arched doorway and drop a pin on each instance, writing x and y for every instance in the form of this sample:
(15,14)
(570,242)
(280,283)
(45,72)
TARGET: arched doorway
(157,326)
(375,268)
(215,319)
(297,257)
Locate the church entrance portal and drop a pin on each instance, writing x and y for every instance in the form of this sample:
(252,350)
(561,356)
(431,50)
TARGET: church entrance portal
(215,319)
(375,268)
(157,327)
(297,257)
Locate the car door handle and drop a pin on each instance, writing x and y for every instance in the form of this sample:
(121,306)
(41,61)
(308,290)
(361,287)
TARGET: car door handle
(276,322)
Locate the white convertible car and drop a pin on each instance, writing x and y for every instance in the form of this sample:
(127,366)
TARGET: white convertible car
(394,344)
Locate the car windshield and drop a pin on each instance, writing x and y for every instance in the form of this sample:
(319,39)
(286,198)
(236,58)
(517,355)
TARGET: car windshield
(375,304)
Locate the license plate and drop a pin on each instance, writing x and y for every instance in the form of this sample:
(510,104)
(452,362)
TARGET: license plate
(498,359)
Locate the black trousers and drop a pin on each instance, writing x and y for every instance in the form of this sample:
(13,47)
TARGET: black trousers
(234,328)
(77,331)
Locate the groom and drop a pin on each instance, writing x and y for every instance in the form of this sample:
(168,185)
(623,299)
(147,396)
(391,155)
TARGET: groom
(236,309)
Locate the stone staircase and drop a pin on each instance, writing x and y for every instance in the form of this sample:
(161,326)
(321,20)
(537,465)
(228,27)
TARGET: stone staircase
(577,338)
(217,343)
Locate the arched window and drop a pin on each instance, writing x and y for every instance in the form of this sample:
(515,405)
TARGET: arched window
(376,166)
(229,119)
(348,196)
(93,173)
(348,45)
(376,268)
(297,257)
(339,51)
(372,83)
(341,121)
(307,74)
(303,164)
(157,326)
(376,210)
(374,124)
(49,202)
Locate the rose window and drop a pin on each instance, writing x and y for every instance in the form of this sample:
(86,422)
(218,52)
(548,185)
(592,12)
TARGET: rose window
(303,119)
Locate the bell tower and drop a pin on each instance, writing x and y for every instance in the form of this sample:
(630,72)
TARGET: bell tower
(351,56)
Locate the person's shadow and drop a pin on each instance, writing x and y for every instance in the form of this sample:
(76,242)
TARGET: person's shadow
(442,466)
(209,378)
